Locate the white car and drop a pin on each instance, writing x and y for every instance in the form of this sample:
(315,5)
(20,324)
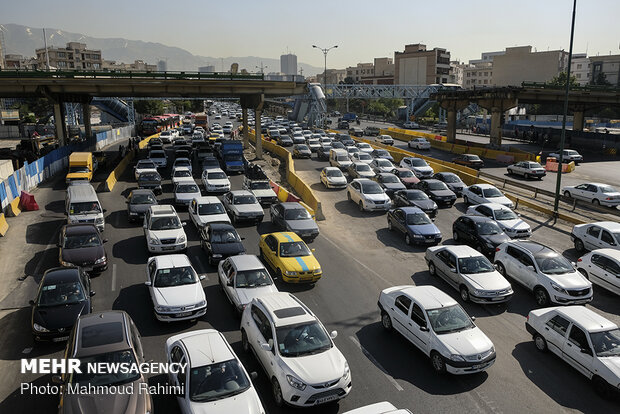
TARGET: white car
(385,139)
(362,157)
(485,193)
(314,144)
(182,162)
(185,191)
(175,288)
(215,180)
(546,273)
(470,272)
(411,125)
(306,133)
(159,158)
(241,205)
(180,174)
(244,277)
(298,355)
(298,138)
(227,129)
(602,267)
(568,156)
(360,170)
(379,408)
(507,220)
(261,189)
(419,143)
(420,168)
(368,195)
(163,230)
(144,166)
(352,150)
(582,338)
(364,147)
(599,235)
(438,326)
(381,165)
(332,177)
(214,380)
(205,210)
(528,169)
(595,193)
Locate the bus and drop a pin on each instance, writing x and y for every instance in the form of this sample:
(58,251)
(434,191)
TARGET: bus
(149,126)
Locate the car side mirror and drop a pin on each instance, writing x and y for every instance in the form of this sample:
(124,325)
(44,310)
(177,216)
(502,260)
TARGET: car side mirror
(424,328)
(242,238)
(473,318)
(530,268)
(31,302)
(92,293)
(105,210)
(312,250)
(184,223)
(333,334)
(266,346)
(202,277)
(586,351)
(57,379)
(253,375)
(105,240)
(453,269)
(147,283)
(126,201)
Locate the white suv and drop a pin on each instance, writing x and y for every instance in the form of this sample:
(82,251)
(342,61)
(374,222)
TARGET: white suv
(175,288)
(583,339)
(298,355)
(163,230)
(368,195)
(545,272)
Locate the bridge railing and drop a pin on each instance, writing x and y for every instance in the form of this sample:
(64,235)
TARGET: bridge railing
(596,88)
(29,73)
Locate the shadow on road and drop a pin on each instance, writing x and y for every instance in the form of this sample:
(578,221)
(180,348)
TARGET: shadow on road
(27,402)
(132,250)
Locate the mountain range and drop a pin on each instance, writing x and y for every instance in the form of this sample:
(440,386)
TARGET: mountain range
(23,40)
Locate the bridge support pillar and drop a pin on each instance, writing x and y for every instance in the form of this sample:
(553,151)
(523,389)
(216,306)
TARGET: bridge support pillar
(497,103)
(578,120)
(258,127)
(496,127)
(88,131)
(452,107)
(246,136)
(256,102)
(59,120)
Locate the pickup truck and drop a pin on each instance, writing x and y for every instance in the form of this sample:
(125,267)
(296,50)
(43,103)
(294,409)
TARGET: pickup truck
(231,153)
(257,182)
(349,117)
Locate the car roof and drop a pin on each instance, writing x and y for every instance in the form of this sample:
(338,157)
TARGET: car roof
(432,180)
(102,332)
(494,206)
(462,250)
(484,186)
(61,274)
(162,210)
(611,253)
(236,193)
(215,170)
(221,226)
(478,219)
(141,191)
(181,167)
(608,225)
(331,168)
(285,309)
(429,296)
(246,262)
(534,248)
(207,200)
(206,347)
(587,318)
(172,260)
(363,180)
(71,229)
(411,210)
(286,236)
(290,205)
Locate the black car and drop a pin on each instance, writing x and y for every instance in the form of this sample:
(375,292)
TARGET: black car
(150,180)
(138,202)
(292,216)
(220,240)
(182,153)
(210,162)
(343,125)
(301,151)
(481,233)
(382,153)
(415,198)
(389,182)
(345,139)
(322,153)
(438,191)
(81,245)
(452,180)
(155,142)
(63,295)
(285,140)
(338,145)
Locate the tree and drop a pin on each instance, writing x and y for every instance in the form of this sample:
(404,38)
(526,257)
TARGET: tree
(149,107)
(601,79)
(349,80)
(560,80)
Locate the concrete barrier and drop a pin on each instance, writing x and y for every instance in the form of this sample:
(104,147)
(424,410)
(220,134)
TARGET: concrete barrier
(13,209)
(112,179)
(4,226)
(542,209)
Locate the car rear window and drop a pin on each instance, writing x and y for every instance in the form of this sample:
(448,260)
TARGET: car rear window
(102,334)
(289,312)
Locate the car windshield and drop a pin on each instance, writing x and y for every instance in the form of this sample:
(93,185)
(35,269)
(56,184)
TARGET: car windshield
(217,381)
(225,236)
(157,154)
(78,241)
(606,343)
(418,162)
(472,265)
(418,219)
(333,173)
(143,199)
(296,214)
(260,185)
(343,158)
(472,158)
(84,208)
(450,178)
(384,163)
(405,174)
(364,156)
(362,167)
(252,278)
(63,293)
(86,378)
(416,195)
(182,163)
(216,175)
(364,146)
(294,249)
(244,199)
(535,165)
(210,208)
(487,228)
(187,188)
(182,173)
(210,163)
(437,186)
(554,264)
(353,150)
(606,189)
(303,339)
(149,177)
(302,147)
(78,170)
(389,179)
(491,192)
(505,214)
(571,152)
(147,164)
(165,223)
(381,153)
(449,319)
(371,187)
(175,276)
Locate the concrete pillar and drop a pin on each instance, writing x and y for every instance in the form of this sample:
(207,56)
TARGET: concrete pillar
(578,120)
(259,142)
(88,131)
(496,127)
(451,131)
(246,137)
(59,120)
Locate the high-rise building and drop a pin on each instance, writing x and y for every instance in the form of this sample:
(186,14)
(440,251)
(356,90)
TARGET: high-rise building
(206,69)
(418,66)
(162,66)
(73,56)
(288,64)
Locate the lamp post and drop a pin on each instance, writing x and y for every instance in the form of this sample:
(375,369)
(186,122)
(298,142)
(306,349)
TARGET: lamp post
(324,50)
(262,68)
(558,182)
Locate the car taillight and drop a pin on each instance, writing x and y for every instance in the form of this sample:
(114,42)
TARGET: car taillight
(608,198)
(579,260)
(497,249)
(527,318)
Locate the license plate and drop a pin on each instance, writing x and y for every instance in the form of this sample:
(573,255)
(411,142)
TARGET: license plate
(60,339)
(167,248)
(497,298)
(326,399)
(182,314)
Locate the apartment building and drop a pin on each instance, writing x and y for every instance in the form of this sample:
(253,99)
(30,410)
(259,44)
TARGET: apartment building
(608,65)
(334,76)
(580,68)
(418,66)
(360,70)
(73,56)
(479,75)
(136,66)
(520,64)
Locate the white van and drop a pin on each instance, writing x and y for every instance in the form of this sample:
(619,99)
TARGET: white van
(339,157)
(82,205)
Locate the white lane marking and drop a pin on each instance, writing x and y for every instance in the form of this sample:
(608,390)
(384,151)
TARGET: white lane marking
(201,267)
(113,277)
(357,261)
(376,363)
(27,350)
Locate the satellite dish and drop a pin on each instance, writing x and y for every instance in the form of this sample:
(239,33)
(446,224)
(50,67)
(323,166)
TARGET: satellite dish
(234,68)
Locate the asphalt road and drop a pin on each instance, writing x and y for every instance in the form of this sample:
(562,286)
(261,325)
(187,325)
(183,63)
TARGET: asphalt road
(359,257)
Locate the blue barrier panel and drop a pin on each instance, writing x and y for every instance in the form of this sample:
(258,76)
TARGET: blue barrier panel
(3,195)
(13,187)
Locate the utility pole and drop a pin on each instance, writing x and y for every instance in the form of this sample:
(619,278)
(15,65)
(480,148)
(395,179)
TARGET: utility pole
(47,56)
(262,67)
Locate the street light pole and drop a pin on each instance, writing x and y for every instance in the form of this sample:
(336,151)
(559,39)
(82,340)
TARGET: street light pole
(324,50)
(558,182)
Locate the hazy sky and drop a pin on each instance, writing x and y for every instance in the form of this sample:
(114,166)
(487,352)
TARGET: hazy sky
(362,29)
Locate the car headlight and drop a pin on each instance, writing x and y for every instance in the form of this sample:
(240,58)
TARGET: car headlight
(163,308)
(475,292)
(295,383)
(99,220)
(153,240)
(456,357)
(317,271)
(201,304)
(347,371)
(181,239)
(100,260)
(216,256)
(40,328)
(559,288)
(290,273)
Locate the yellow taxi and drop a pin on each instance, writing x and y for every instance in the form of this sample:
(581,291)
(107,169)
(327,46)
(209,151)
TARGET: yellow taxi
(291,259)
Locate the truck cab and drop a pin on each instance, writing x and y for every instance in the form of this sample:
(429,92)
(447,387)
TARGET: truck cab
(231,153)
(81,167)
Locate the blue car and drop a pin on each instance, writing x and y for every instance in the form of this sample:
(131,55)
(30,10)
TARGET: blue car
(417,227)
